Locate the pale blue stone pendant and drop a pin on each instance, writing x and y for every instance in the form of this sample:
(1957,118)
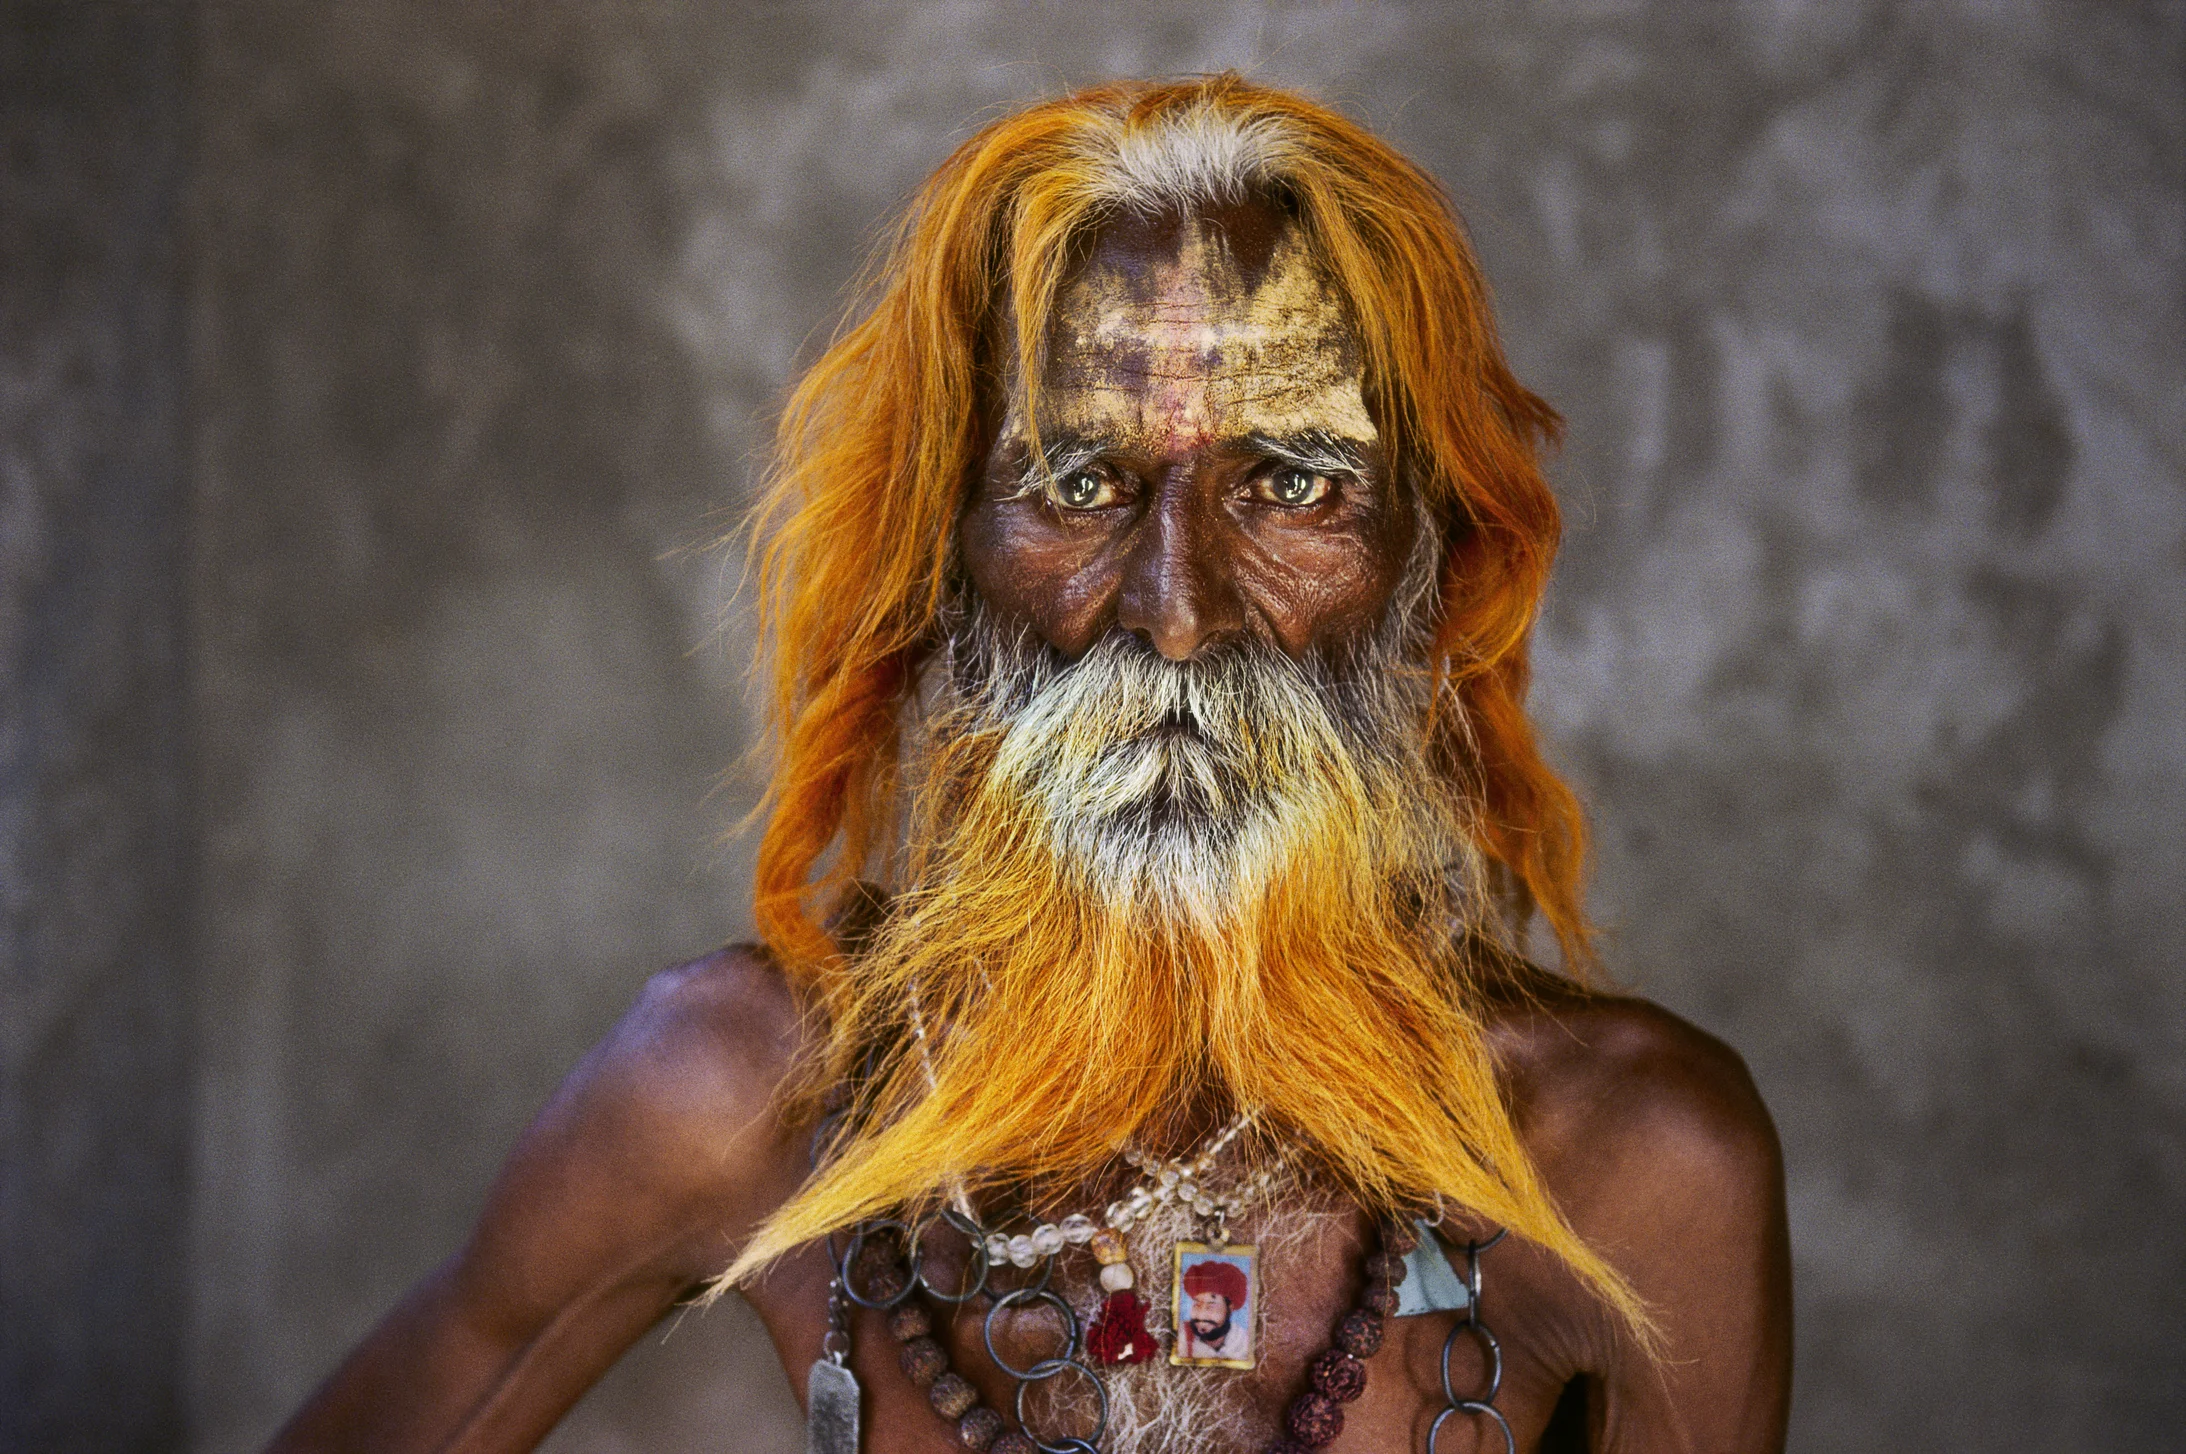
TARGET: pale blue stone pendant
(1431,1284)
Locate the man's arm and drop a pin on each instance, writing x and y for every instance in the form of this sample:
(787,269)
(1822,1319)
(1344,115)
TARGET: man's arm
(644,1175)
(1664,1159)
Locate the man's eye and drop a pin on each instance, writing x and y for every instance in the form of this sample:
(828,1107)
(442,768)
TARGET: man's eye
(1293,486)
(1084,489)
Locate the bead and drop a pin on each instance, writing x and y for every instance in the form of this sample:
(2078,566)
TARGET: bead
(1108,1247)
(1187,1191)
(1313,1420)
(979,1427)
(1360,1333)
(1380,1297)
(877,1251)
(1399,1237)
(1077,1229)
(1386,1267)
(1337,1374)
(1116,1277)
(1202,1206)
(998,1249)
(1021,1253)
(909,1319)
(1047,1239)
(1013,1444)
(923,1361)
(951,1396)
(884,1282)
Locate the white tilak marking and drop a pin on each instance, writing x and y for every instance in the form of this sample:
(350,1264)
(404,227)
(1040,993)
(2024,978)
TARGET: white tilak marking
(1202,335)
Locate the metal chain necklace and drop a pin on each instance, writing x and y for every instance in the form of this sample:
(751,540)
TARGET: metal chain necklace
(1491,1347)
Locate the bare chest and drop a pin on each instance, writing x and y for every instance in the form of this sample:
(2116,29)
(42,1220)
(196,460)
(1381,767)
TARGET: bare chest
(1020,1345)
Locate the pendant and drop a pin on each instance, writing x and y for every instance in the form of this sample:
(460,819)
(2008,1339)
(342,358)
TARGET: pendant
(1217,1305)
(831,1409)
(1431,1284)
(1118,1334)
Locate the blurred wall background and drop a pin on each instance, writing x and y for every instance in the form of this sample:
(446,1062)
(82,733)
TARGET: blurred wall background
(373,374)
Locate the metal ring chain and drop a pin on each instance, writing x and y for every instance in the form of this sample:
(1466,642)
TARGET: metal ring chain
(1484,1405)
(1035,1291)
(843,1292)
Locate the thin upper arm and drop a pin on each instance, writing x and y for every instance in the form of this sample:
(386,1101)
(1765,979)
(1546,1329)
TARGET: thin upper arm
(1664,1158)
(643,1174)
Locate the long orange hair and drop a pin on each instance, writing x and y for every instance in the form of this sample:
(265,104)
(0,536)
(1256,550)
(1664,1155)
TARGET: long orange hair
(878,441)
(878,445)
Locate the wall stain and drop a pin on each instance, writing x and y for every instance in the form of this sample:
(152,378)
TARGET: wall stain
(1902,417)
(2028,443)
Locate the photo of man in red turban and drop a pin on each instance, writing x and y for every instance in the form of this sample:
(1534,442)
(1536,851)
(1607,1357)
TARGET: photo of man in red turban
(1214,1321)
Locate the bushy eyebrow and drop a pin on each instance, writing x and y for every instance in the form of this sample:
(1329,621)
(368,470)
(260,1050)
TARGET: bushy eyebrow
(1058,456)
(1318,451)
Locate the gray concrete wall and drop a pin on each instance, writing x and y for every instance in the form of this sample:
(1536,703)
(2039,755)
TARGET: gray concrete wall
(460,722)
(94,981)
(1868,643)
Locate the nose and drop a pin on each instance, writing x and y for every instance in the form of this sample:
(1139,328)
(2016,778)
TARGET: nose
(1178,590)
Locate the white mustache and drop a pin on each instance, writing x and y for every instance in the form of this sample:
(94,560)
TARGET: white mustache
(1125,725)
(1184,783)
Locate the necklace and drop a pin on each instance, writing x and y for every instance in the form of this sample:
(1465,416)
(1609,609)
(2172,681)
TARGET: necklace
(1162,1182)
(886,1254)
(877,1272)
(1119,1333)
(896,1283)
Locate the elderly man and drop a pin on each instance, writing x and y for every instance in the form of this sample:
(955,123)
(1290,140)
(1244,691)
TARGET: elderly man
(1155,839)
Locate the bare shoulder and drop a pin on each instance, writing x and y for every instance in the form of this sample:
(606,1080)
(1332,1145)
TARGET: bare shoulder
(691,1071)
(1629,1109)
(709,1037)
(1655,1145)
(667,1137)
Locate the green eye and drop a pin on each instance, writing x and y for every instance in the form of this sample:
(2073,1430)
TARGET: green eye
(1082,489)
(1293,486)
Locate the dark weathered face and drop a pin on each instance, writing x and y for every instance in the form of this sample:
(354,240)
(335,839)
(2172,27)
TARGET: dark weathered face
(1210,466)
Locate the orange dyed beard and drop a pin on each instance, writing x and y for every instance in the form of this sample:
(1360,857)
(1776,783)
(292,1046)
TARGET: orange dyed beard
(1142,892)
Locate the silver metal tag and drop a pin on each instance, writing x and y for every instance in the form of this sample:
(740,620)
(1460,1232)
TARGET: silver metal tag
(831,1409)
(1431,1284)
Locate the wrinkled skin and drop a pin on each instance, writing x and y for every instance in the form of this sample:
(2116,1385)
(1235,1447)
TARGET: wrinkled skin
(1181,353)
(1189,366)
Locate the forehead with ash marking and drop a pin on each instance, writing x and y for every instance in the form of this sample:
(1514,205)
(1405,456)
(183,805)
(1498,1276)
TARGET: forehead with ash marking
(1180,331)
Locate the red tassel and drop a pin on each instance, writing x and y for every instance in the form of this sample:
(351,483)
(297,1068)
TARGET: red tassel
(1119,1334)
